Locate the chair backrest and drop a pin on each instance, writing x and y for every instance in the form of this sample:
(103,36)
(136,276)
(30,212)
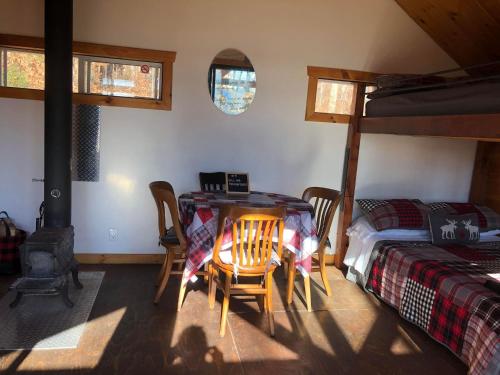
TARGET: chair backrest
(252,236)
(163,193)
(325,204)
(215,181)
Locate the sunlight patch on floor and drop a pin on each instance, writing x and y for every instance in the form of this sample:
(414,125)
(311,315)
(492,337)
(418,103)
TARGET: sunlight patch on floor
(404,344)
(92,350)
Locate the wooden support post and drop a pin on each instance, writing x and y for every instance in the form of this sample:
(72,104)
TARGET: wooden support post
(486,177)
(351,168)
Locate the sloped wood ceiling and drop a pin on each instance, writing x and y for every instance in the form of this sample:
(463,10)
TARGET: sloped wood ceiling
(468,30)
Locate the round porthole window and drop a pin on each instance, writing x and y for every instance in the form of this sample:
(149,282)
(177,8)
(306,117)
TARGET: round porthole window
(231,81)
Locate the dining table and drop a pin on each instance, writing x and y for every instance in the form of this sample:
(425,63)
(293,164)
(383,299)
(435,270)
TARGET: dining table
(199,212)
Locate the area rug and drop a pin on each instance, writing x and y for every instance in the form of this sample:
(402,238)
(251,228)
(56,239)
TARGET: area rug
(44,322)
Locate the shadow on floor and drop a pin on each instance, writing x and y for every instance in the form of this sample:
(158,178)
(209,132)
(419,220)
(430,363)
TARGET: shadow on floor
(349,333)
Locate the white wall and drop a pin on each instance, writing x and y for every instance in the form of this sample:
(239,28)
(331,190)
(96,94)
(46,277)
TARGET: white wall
(271,141)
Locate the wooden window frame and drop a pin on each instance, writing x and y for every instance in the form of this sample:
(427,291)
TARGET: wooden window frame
(165,58)
(316,73)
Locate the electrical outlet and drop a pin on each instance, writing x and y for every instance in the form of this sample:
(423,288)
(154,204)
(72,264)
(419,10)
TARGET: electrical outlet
(113,234)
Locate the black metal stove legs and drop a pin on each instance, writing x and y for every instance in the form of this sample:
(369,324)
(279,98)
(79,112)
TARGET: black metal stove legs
(62,287)
(65,296)
(78,285)
(74,275)
(16,301)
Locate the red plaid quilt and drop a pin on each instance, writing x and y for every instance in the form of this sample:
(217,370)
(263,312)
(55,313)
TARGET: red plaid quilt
(199,213)
(9,252)
(450,291)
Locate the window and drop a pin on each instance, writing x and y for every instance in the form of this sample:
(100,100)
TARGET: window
(331,93)
(115,77)
(334,97)
(22,69)
(102,75)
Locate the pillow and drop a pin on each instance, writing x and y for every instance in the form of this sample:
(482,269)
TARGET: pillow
(491,233)
(395,213)
(488,219)
(450,229)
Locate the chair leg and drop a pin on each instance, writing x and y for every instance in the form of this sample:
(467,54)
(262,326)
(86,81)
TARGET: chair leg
(307,288)
(182,293)
(286,265)
(291,278)
(205,277)
(209,280)
(225,304)
(169,260)
(162,270)
(269,301)
(322,270)
(261,301)
(212,287)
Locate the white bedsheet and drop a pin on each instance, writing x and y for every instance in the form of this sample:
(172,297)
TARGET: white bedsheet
(363,237)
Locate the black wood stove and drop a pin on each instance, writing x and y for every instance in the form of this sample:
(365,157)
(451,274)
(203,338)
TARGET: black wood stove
(47,260)
(47,256)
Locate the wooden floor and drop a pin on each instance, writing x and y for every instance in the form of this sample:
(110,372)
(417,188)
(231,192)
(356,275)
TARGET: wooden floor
(349,333)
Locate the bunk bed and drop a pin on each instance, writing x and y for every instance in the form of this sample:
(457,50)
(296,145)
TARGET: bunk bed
(451,292)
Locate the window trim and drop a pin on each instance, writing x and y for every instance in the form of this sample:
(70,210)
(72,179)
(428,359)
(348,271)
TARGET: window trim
(315,73)
(165,58)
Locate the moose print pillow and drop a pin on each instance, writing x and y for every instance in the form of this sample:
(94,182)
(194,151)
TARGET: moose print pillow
(449,229)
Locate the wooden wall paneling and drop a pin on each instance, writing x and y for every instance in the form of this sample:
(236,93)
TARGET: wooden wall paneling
(492,7)
(352,153)
(466,29)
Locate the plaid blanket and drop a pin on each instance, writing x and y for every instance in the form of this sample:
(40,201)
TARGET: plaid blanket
(199,213)
(451,292)
(9,252)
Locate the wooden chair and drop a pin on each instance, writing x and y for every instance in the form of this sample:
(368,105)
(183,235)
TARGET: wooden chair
(172,239)
(325,204)
(215,182)
(250,256)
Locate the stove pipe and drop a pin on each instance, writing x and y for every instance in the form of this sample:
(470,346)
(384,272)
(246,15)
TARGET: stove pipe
(58,112)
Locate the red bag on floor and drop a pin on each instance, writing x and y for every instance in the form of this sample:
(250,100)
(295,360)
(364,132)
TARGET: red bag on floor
(10,240)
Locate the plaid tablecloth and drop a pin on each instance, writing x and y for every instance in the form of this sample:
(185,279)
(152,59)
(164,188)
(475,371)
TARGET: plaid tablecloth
(199,215)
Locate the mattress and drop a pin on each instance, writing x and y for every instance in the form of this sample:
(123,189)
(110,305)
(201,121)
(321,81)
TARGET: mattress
(363,238)
(465,99)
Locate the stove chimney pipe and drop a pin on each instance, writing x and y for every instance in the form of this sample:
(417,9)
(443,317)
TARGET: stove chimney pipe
(58,112)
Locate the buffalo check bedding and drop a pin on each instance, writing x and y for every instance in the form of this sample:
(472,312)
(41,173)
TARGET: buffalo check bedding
(450,291)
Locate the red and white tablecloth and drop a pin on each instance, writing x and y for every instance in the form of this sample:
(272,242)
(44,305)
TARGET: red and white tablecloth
(199,213)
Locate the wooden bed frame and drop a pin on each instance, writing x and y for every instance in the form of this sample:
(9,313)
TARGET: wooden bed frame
(482,127)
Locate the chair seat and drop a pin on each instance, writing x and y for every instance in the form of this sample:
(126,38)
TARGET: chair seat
(170,237)
(226,258)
